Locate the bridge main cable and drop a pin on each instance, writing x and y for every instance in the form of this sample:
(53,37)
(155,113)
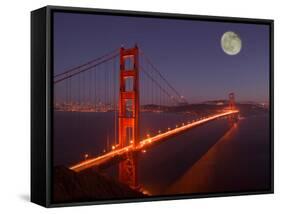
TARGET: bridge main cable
(156,83)
(85,69)
(71,72)
(160,74)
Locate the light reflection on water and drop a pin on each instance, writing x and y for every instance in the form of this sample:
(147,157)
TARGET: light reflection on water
(200,177)
(238,161)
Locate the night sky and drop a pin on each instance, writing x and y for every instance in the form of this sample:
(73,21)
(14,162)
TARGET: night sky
(187,52)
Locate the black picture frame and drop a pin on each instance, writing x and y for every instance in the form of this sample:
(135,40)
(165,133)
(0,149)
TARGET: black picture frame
(42,101)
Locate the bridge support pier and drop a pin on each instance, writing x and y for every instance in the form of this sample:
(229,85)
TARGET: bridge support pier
(128,116)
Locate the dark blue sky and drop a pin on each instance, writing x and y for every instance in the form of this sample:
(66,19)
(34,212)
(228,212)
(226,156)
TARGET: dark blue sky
(187,52)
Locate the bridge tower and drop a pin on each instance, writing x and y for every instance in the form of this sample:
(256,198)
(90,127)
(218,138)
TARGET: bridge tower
(233,118)
(128,116)
(231,97)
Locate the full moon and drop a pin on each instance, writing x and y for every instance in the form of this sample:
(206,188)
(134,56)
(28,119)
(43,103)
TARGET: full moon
(231,43)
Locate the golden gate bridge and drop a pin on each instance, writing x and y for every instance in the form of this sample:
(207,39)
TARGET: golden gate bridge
(126,82)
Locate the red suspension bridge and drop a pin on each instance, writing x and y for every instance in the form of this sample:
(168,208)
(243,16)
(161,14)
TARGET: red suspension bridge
(126,83)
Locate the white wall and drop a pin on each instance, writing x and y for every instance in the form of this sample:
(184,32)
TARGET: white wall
(15,99)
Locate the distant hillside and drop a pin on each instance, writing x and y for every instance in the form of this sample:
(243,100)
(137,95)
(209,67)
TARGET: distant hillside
(88,185)
(216,102)
(207,108)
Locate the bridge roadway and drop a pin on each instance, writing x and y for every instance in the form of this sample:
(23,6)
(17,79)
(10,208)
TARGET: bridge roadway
(96,161)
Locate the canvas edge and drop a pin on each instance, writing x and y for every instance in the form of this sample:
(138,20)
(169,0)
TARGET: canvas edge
(38,106)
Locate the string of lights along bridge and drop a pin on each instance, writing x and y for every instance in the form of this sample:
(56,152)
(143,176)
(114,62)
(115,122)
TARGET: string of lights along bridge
(126,83)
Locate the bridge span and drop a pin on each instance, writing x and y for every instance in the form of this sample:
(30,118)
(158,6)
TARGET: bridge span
(144,144)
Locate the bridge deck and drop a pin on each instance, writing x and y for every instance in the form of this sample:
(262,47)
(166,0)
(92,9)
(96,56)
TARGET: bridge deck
(146,143)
